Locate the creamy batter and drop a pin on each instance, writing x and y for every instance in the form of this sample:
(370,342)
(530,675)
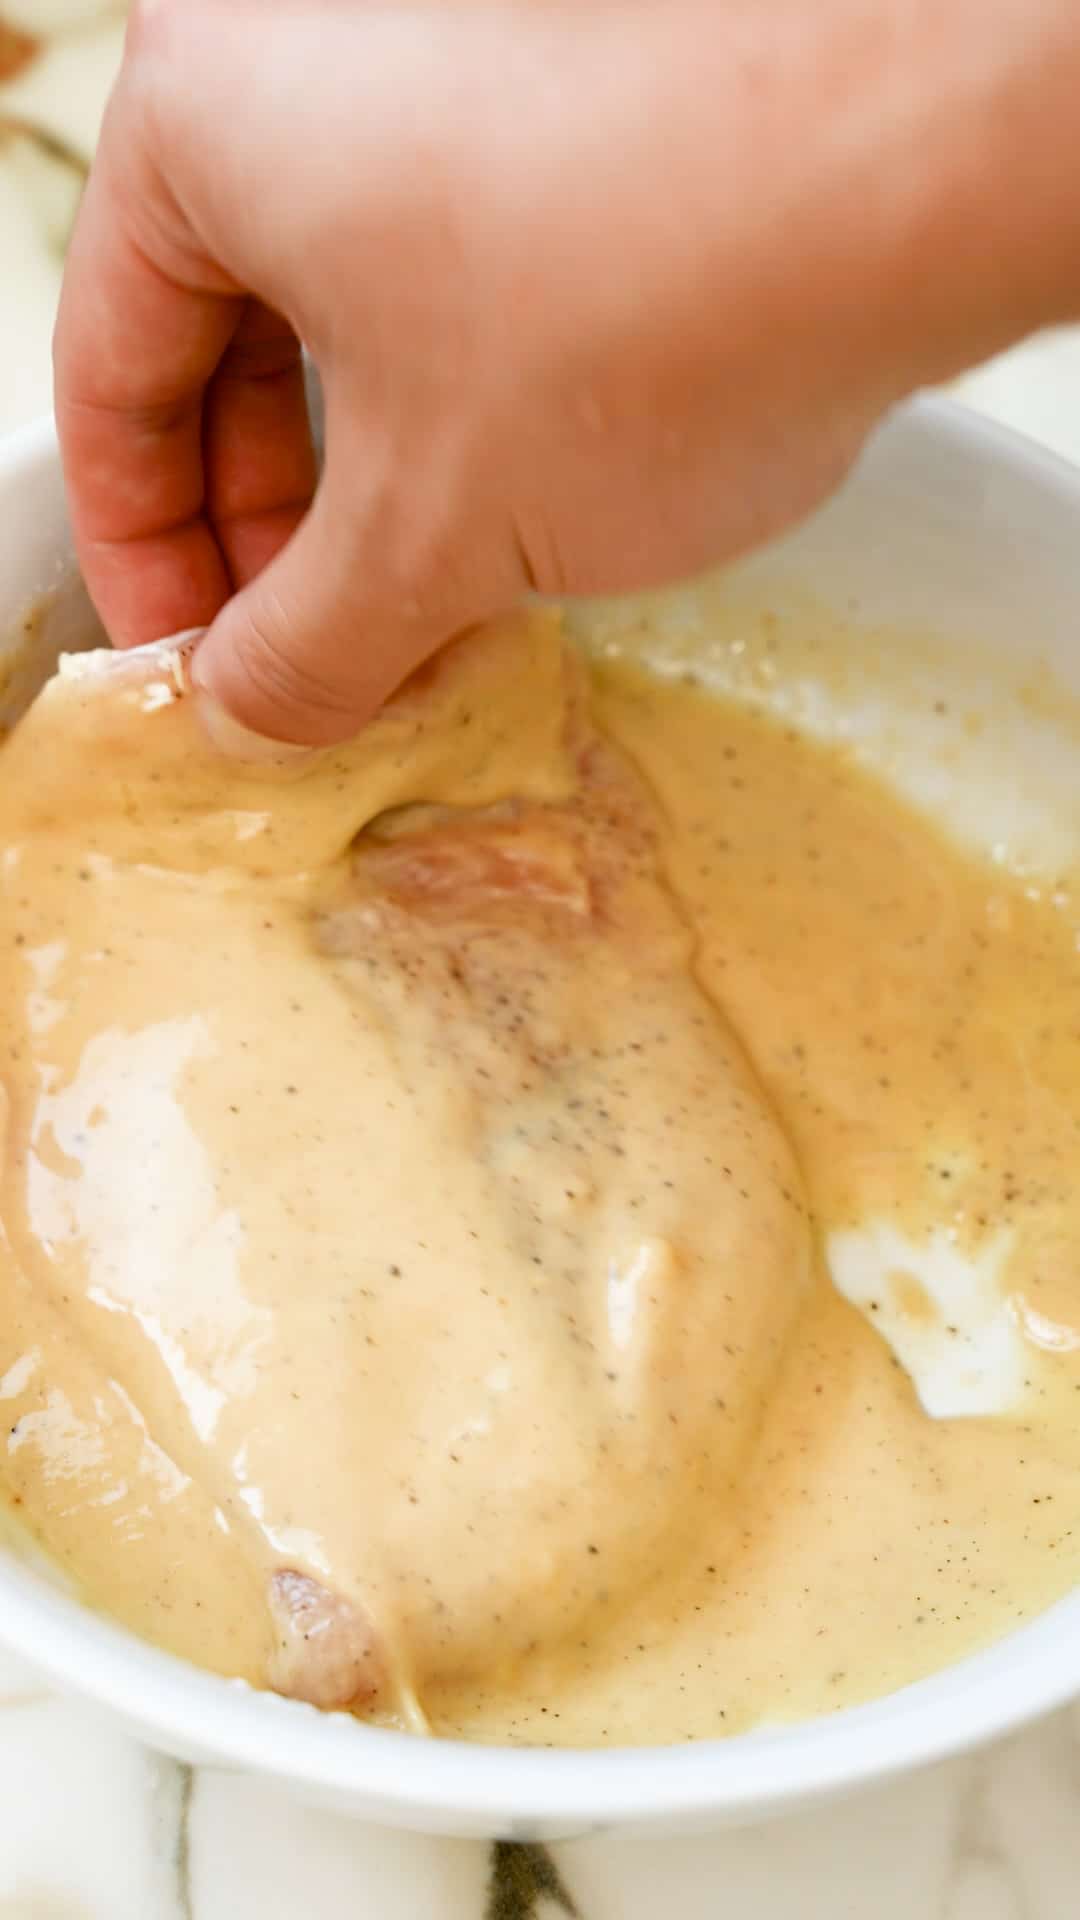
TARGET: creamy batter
(435,1171)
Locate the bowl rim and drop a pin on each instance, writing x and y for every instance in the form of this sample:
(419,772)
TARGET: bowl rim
(451,1784)
(31,444)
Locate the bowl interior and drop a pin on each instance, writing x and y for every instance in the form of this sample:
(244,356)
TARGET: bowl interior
(946,567)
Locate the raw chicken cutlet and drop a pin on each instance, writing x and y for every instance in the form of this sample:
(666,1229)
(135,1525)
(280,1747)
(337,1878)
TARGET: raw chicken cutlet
(398,1248)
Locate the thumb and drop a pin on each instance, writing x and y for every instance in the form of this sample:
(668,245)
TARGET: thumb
(300,655)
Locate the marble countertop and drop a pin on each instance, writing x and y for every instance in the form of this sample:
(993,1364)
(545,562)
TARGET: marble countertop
(94,1826)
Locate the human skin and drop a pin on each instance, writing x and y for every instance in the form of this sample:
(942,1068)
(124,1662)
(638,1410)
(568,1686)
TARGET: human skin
(600,293)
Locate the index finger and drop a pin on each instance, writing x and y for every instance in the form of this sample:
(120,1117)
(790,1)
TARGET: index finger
(134,351)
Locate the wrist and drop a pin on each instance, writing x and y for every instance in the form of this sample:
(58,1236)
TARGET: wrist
(888,179)
(978,207)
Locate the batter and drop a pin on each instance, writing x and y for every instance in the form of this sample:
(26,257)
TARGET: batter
(551,1224)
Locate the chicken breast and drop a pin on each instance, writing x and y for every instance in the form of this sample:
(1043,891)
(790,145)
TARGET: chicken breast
(399,1246)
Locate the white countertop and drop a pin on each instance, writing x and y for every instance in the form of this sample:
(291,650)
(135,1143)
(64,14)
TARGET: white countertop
(93,1826)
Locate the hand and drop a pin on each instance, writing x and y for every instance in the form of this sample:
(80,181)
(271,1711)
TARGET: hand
(600,293)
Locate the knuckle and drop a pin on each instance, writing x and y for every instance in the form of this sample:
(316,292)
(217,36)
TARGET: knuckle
(162,37)
(149,22)
(147,79)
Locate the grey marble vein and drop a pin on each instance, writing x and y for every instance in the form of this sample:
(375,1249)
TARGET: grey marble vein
(172,1787)
(183,1844)
(522,1877)
(980,1868)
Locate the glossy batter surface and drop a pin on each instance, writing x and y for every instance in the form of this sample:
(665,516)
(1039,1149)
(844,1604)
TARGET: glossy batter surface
(433,1172)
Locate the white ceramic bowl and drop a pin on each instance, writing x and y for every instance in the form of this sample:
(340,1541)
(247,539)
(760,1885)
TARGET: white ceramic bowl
(967,540)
